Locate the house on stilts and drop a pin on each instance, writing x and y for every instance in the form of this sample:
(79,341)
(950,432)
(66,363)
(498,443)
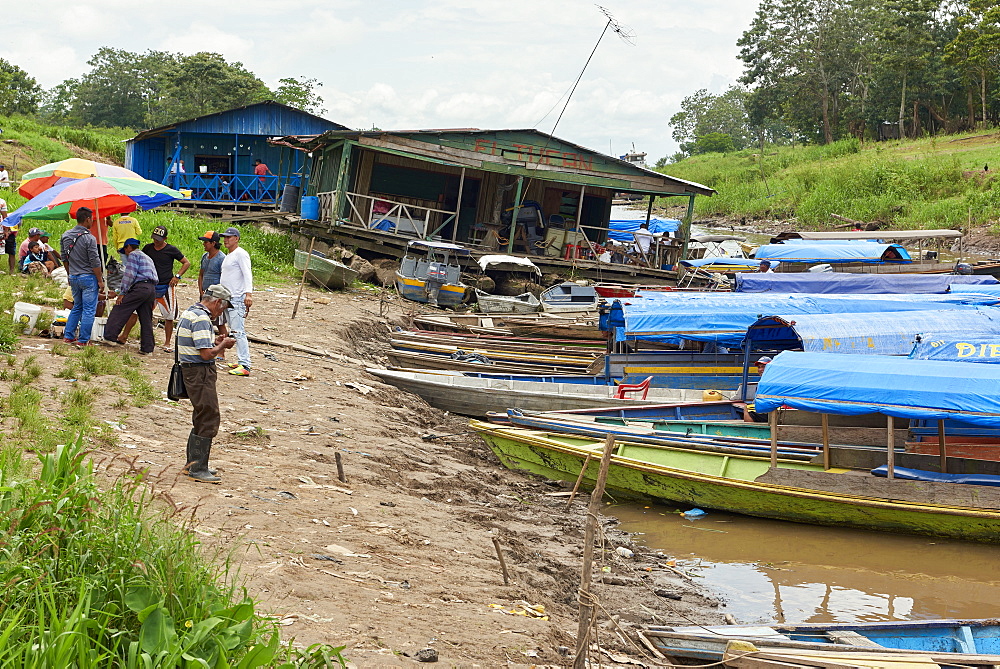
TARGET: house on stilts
(516,191)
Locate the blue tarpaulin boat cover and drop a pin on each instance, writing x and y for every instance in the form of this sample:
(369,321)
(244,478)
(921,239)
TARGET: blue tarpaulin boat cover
(982,290)
(893,334)
(621,230)
(867,252)
(975,347)
(671,317)
(844,284)
(900,387)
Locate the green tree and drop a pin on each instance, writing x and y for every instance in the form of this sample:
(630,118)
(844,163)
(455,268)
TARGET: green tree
(300,93)
(56,103)
(204,83)
(975,49)
(19,92)
(714,142)
(906,42)
(704,114)
(122,89)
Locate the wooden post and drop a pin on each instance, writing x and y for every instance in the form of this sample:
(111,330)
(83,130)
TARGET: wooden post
(891,444)
(340,467)
(579,207)
(686,227)
(458,207)
(503,563)
(302,284)
(825,422)
(941,447)
(579,479)
(772,421)
(586,607)
(513,215)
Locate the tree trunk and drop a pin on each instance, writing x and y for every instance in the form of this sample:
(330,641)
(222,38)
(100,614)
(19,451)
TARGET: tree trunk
(982,94)
(902,108)
(915,130)
(971,107)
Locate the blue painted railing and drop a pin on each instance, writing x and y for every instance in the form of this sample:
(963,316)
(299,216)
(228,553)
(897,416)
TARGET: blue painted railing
(227,187)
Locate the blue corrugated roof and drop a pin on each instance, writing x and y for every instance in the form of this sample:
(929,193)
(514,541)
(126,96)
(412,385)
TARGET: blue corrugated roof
(268,118)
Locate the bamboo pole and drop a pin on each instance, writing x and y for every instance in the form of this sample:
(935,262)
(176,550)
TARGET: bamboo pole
(942,448)
(586,605)
(825,418)
(772,421)
(891,445)
(579,480)
(458,207)
(302,284)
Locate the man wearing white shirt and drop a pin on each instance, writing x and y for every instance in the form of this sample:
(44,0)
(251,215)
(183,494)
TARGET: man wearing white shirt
(643,239)
(4,177)
(237,276)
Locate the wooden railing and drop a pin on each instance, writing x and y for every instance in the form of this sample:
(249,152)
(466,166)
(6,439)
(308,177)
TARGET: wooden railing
(407,220)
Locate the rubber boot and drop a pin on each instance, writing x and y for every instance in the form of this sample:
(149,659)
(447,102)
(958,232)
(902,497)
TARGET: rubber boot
(199,471)
(192,455)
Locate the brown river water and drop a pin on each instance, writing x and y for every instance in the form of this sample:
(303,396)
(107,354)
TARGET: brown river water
(772,571)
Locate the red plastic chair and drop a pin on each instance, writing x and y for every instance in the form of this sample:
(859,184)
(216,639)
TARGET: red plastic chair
(642,387)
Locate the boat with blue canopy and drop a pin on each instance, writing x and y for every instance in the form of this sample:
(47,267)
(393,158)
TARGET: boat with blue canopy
(845,284)
(833,252)
(953,346)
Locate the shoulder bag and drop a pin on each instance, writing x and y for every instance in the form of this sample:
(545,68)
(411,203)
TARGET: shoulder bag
(176,390)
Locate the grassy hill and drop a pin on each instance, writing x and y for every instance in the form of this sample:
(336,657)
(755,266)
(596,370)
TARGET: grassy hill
(26,144)
(938,182)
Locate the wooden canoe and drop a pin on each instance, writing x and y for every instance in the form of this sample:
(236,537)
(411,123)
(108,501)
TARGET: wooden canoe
(417,360)
(476,396)
(749,486)
(325,271)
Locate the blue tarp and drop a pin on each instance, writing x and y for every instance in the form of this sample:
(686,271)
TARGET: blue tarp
(975,347)
(867,252)
(733,262)
(844,284)
(893,334)
(621,230)
(901,387)
(724,317)
(982,290)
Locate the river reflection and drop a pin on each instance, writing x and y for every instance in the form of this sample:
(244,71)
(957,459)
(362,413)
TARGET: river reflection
(770,571)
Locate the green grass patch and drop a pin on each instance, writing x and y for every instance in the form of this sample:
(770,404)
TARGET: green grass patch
(926,184)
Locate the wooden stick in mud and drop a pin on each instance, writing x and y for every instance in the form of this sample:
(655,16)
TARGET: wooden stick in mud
(579,480)
(584,595)
(340,467)
(302,285)
(503,563)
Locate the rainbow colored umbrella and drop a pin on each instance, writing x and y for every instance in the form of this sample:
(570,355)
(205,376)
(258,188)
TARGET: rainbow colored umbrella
(106,196)
(42,178)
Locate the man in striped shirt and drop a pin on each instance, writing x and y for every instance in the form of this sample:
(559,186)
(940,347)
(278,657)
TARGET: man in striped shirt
(138,293)
(197,348)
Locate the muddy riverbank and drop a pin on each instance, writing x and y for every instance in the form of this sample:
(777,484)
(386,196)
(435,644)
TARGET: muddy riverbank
(400,557)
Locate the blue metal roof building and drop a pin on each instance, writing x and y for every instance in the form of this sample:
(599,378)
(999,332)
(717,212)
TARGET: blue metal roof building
(214,155)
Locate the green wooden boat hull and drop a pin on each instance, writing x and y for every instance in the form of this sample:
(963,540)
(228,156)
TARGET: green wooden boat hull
(727,483)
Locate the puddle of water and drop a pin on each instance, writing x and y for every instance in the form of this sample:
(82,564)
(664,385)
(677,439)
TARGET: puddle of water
(770,571)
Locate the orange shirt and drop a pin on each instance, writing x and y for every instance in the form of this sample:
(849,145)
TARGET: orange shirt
(100,230)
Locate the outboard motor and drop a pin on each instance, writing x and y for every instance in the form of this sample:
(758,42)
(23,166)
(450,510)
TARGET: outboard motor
(825,267)
(437,276)
(963,268)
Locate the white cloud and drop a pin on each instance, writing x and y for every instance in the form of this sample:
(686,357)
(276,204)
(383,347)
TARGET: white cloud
(426,63)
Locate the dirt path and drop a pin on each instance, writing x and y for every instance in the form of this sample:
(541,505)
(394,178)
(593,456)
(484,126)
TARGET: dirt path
(400,557)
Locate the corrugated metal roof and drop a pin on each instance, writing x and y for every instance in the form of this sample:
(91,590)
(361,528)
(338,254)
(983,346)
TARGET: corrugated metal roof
(267,118)
(313,141)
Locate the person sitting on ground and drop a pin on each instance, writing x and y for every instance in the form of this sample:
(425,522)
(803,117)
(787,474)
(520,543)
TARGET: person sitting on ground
(51,255)
(34,235)
(34,261)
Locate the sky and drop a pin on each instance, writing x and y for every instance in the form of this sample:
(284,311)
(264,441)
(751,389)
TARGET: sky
(409,64)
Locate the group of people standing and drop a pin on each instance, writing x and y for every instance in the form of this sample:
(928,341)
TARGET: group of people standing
(149,282)
(225,287)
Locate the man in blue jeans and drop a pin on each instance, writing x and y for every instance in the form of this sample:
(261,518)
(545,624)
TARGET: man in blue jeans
(86,279)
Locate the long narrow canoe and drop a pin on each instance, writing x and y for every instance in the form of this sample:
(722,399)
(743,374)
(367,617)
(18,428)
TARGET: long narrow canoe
(948,642)
(749,486)
(415,360)
(541,356)
(477,396)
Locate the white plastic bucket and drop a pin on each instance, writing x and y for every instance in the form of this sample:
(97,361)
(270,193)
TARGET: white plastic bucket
(27,315)
(97,332)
